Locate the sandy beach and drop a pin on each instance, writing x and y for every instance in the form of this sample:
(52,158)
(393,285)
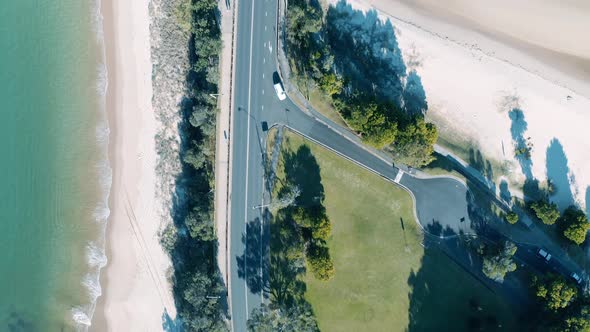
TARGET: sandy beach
(475,71)
(136,292)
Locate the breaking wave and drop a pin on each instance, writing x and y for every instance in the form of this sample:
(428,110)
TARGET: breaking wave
(95,251)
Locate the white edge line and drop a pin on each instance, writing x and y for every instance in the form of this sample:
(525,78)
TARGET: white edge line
(248,146)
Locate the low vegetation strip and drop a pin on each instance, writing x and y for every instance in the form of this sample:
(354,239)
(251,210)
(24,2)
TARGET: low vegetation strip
(191,241)
(384,280)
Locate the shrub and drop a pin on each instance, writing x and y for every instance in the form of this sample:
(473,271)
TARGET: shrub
(575,224)
(512,217)
(546,211)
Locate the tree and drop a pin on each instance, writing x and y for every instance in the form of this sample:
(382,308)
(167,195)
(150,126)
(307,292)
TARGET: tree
(184,15)
(294,319)
(372,120)
(512,217)
(302,217)
(414,143)
(575,224)
(314,220)
(497,262)
(554,292)
(331,84)
(286,198)
(321,227)
(319,262)
(546,211)
(302,21)
(201,309)
(200,224)
(195,157)
(579,321)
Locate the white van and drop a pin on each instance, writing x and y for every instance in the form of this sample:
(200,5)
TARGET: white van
(280,91)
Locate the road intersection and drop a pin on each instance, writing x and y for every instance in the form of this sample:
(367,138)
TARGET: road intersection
(256,102)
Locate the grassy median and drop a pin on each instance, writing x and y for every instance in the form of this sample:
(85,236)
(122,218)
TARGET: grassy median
(385,280)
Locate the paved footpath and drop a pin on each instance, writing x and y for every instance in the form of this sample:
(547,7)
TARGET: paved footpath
(222,149)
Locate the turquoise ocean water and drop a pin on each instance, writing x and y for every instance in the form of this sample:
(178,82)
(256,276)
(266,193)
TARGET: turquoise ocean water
(54,170)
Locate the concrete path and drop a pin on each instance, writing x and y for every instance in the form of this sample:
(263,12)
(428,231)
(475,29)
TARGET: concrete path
(222,166)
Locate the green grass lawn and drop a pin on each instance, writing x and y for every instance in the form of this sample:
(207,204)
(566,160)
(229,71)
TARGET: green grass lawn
(385,280)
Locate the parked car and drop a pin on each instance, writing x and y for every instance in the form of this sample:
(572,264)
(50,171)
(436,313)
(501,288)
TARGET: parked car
(280,91)
(543,253)
(576,277)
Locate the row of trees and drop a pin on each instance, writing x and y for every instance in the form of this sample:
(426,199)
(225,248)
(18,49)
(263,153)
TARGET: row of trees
(299,231)
(191,241)
(562,306)
(312,224)
(364,85)
(573,223)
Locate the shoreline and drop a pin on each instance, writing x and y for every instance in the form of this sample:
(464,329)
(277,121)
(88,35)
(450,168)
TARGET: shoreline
(98,321)
(135,289)
(473,82)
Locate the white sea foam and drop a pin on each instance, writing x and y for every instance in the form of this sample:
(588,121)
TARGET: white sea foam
(102,80)
(80,317)
(93,286)
(96,256)
(95,252)
(97,20)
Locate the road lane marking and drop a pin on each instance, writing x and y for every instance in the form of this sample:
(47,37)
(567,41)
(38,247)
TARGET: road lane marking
(265,28)
(270,47)
(248,150)
(262,91)
(263,60)
(398,177)
(262,75)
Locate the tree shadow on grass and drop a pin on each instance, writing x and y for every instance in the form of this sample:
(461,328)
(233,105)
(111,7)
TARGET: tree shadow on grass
(367,54)
(449,292)
(287,242)
(303,170)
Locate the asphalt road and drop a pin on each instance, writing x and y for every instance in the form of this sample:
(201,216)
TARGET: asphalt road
(440,200)
(254,95)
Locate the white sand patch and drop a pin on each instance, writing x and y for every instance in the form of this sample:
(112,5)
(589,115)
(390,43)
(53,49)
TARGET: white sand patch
(136,288)
(470,92)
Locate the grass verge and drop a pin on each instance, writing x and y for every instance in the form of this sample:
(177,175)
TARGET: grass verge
(385,280)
